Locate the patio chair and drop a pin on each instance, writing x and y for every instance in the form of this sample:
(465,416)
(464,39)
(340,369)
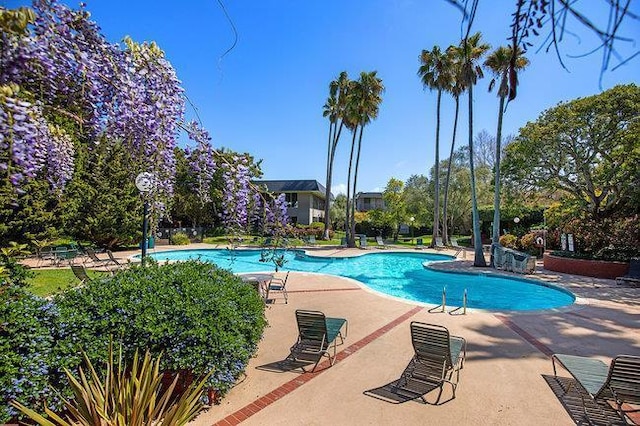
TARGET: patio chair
(619,382)
(81,273)
(312,240)
(94,257)
(437,244)
(380,242)
(317,336)
(633,276)
(279,284)
(113,260)
(64,254)
(438,355)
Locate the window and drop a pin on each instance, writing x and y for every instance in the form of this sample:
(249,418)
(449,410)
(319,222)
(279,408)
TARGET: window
(318,203)
(291,199)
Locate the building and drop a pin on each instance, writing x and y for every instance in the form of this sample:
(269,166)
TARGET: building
(366,201)
(305,198)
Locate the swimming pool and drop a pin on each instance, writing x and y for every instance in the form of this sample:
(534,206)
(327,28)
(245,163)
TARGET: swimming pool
(399,274)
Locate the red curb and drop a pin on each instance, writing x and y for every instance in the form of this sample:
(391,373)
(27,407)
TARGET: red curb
(525,335)
(293,384)
(324,289)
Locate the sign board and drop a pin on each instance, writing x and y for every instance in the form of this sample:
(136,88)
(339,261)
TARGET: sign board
(570,242)
(563,241)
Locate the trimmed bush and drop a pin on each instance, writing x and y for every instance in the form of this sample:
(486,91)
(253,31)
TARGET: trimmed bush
(200,317)
(26,342)
(509,241)
(180,239)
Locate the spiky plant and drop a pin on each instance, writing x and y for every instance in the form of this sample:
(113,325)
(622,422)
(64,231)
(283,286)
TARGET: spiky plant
(122,397)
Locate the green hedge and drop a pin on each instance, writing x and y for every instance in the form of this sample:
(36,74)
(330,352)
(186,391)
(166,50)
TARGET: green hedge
(201,318)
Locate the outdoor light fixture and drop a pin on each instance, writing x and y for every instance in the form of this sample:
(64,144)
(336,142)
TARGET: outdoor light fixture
(144,183)
(516,219)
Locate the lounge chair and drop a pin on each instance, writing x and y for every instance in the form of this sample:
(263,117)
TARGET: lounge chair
(312,240)
(633,276)
(437,244)
(279,284)
(94,257)
(113,260)
(419,244)
(437,356)
(317,335)
(81,273)
(619,382)
(381,243)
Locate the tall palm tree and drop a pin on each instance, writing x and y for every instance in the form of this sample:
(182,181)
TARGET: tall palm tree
(471,49)
(435,73)
(456,89)
(334,109)
(368,101)
(502,63)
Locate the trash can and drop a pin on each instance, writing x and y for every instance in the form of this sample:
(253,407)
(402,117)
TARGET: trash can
(152,243)
(363,240)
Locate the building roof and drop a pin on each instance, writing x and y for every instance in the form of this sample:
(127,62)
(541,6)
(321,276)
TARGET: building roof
(309,185)
(369,194)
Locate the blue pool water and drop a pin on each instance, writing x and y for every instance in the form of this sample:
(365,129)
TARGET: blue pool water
(401,275)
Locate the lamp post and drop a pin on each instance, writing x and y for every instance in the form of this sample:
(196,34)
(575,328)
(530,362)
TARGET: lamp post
(411,219)
(144,183)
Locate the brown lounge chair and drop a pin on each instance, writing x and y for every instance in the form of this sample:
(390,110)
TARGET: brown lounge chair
(619,382)
(437,356)
(317,335)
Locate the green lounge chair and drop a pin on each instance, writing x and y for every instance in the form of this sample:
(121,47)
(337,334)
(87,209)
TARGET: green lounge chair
(317,336)
(619,382)
(81,273)
(437,356)
(633,276)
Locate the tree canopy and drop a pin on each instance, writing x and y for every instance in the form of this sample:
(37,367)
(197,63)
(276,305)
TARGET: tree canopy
(587,149)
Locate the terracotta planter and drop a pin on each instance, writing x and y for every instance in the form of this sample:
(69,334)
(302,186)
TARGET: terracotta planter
(184,381)
(588,268)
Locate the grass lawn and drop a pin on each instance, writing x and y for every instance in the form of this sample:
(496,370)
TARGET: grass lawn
(293,242)
(46,282)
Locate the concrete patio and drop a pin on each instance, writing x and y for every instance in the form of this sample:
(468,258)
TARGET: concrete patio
(507,378)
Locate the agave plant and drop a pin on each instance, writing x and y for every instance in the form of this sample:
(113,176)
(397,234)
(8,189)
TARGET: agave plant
(123,397)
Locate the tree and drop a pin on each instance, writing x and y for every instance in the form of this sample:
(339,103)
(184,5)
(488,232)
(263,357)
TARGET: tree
(435,73)
(419,200)
(500,63)
(362,106)
(456,88)
(586,149)
(393,197)
(337,211)
(334,109)
(471,49)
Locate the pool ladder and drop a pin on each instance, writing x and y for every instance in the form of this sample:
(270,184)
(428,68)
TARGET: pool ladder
(443,306)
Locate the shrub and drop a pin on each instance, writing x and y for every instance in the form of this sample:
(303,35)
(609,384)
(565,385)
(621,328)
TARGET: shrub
(180,239)
(509,240)
(200,317)
(26,343)
(528,242)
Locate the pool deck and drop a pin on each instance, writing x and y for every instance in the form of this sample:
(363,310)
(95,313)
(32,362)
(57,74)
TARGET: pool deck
(507,378)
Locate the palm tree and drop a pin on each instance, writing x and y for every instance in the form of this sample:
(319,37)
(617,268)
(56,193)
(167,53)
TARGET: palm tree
(471,50)
(502,62)
(368,101)
(361,107)
(435,73)
(456,88)
(334,109)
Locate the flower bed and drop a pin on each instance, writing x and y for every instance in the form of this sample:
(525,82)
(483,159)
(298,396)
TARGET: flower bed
(585,267)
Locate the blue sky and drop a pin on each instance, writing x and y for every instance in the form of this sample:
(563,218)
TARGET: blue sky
(265,96)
